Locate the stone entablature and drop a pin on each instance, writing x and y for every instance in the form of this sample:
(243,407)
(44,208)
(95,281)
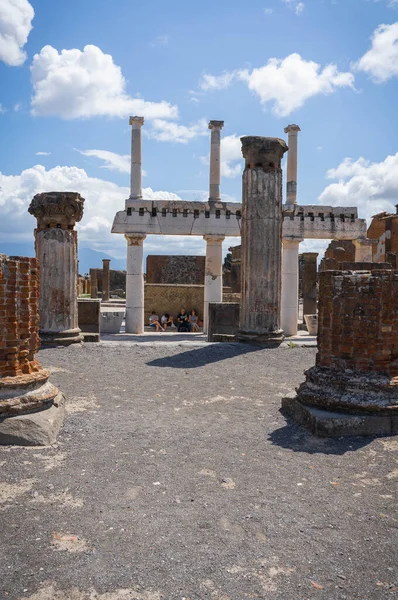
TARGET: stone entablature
(179,217)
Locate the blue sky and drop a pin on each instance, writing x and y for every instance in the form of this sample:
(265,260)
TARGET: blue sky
(71,75)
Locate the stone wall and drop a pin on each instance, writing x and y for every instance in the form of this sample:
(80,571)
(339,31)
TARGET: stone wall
(384,230)
(170,299)
(117,279)
(358,321)
(181,270)
(19,315)
(337,252)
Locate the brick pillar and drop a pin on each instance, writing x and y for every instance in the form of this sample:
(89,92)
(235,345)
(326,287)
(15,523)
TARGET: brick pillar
(93,283)
(56,248)
(24,385)
(106,281)
(309,271)
(356,368)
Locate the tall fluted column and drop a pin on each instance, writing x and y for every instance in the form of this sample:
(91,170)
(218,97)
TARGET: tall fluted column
(363,250)
(261,233)
(291,185)
(106,282)
(135,283)
(93,283)
(136,159)
(215,165)
(290,285)
(213,273)
(56,249)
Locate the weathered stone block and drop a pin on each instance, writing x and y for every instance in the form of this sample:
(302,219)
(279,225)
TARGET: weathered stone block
(223,321)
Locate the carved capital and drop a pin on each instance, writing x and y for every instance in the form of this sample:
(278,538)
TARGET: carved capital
(136,122)
(265,152)
(292,129)
(216,125)
(60,210)
(213,238)
(135,239)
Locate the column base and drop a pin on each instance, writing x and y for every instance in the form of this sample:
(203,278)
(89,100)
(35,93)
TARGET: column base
(61,338)
(26,393)
(269,339)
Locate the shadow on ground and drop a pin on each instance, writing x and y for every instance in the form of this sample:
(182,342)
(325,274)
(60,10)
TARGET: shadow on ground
(200,357)
(297,438)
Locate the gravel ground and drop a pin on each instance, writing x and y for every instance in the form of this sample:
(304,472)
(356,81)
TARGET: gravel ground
(176,477)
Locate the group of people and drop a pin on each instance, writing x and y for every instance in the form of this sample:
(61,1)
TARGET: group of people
(183,321)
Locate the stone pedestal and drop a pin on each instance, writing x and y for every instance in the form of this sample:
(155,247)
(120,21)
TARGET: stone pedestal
(215,163)
(136,158)
(309,274)
(363,250)
(213,273)
(135,283)
(56,249)
(106,280)
(93,283)
(353,389)
(261,246)
(290,281)
(26,395)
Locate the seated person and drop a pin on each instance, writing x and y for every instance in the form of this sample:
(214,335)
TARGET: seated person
(166,320)
(194,320)
(183,321)
(154,321)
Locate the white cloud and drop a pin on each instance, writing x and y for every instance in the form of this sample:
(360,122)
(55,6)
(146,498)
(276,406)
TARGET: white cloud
(113,161)
(231,156)
(17,107)
(372,187)
(216,82)
(381,61)
(76,84)
(103,199)
(295,5)
(15,25)
(43,153)
(167,131)
(285,83)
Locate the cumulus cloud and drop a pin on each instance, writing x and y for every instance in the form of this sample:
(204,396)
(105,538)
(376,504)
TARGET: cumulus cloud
(372,187)
(103,199)
(231,156)
(381,61)
(15,25)
(76,84)
(285,83)
(168,131)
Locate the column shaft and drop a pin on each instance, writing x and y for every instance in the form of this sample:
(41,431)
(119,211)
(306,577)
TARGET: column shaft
(106,283)
(290,285)
(291,184)
(261,241)
(215,164)
(213,273)
(309,271)
(93,283)
(136,157)
(135,284)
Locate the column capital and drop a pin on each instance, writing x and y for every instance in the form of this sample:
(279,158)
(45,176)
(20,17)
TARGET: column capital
(361,242)
(106,260)
(213,238)
(218,125)
(136,122)
(263,152)
(292,240)
(292,129)
(57,209)
(135,239)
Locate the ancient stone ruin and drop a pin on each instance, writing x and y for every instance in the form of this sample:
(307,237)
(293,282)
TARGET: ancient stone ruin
(353,389)
(56,248)
(31,408)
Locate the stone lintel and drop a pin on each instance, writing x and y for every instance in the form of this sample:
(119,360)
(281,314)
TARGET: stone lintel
(265,152)
(57,209)
(292,129)
(136,122)
(216,125)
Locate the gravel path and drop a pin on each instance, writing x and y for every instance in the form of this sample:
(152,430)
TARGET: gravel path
(176,477)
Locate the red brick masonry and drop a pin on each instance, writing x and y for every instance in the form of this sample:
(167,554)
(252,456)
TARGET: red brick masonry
(19,316)
(358,321)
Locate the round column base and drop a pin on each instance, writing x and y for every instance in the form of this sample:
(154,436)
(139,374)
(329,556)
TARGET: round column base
(268,339)
(355,392)
(61,338)
(26,393)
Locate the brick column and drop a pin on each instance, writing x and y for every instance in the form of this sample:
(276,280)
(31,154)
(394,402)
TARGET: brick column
(106,281)
(93,283)
(56,249)
(261,241)
(309,270)
(24,385)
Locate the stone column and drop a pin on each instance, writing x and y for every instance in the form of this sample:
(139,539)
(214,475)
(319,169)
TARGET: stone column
(363,250)
(106,280)
(136,160)
(213,273)
(135,283)
(290,286)
(291,185)
(56,249)
(309,282)
(215,165)
(261,233)
(31,408)
(94,283)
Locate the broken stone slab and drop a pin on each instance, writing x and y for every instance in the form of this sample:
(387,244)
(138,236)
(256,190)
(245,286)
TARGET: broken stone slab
(325,423)
(36,428)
